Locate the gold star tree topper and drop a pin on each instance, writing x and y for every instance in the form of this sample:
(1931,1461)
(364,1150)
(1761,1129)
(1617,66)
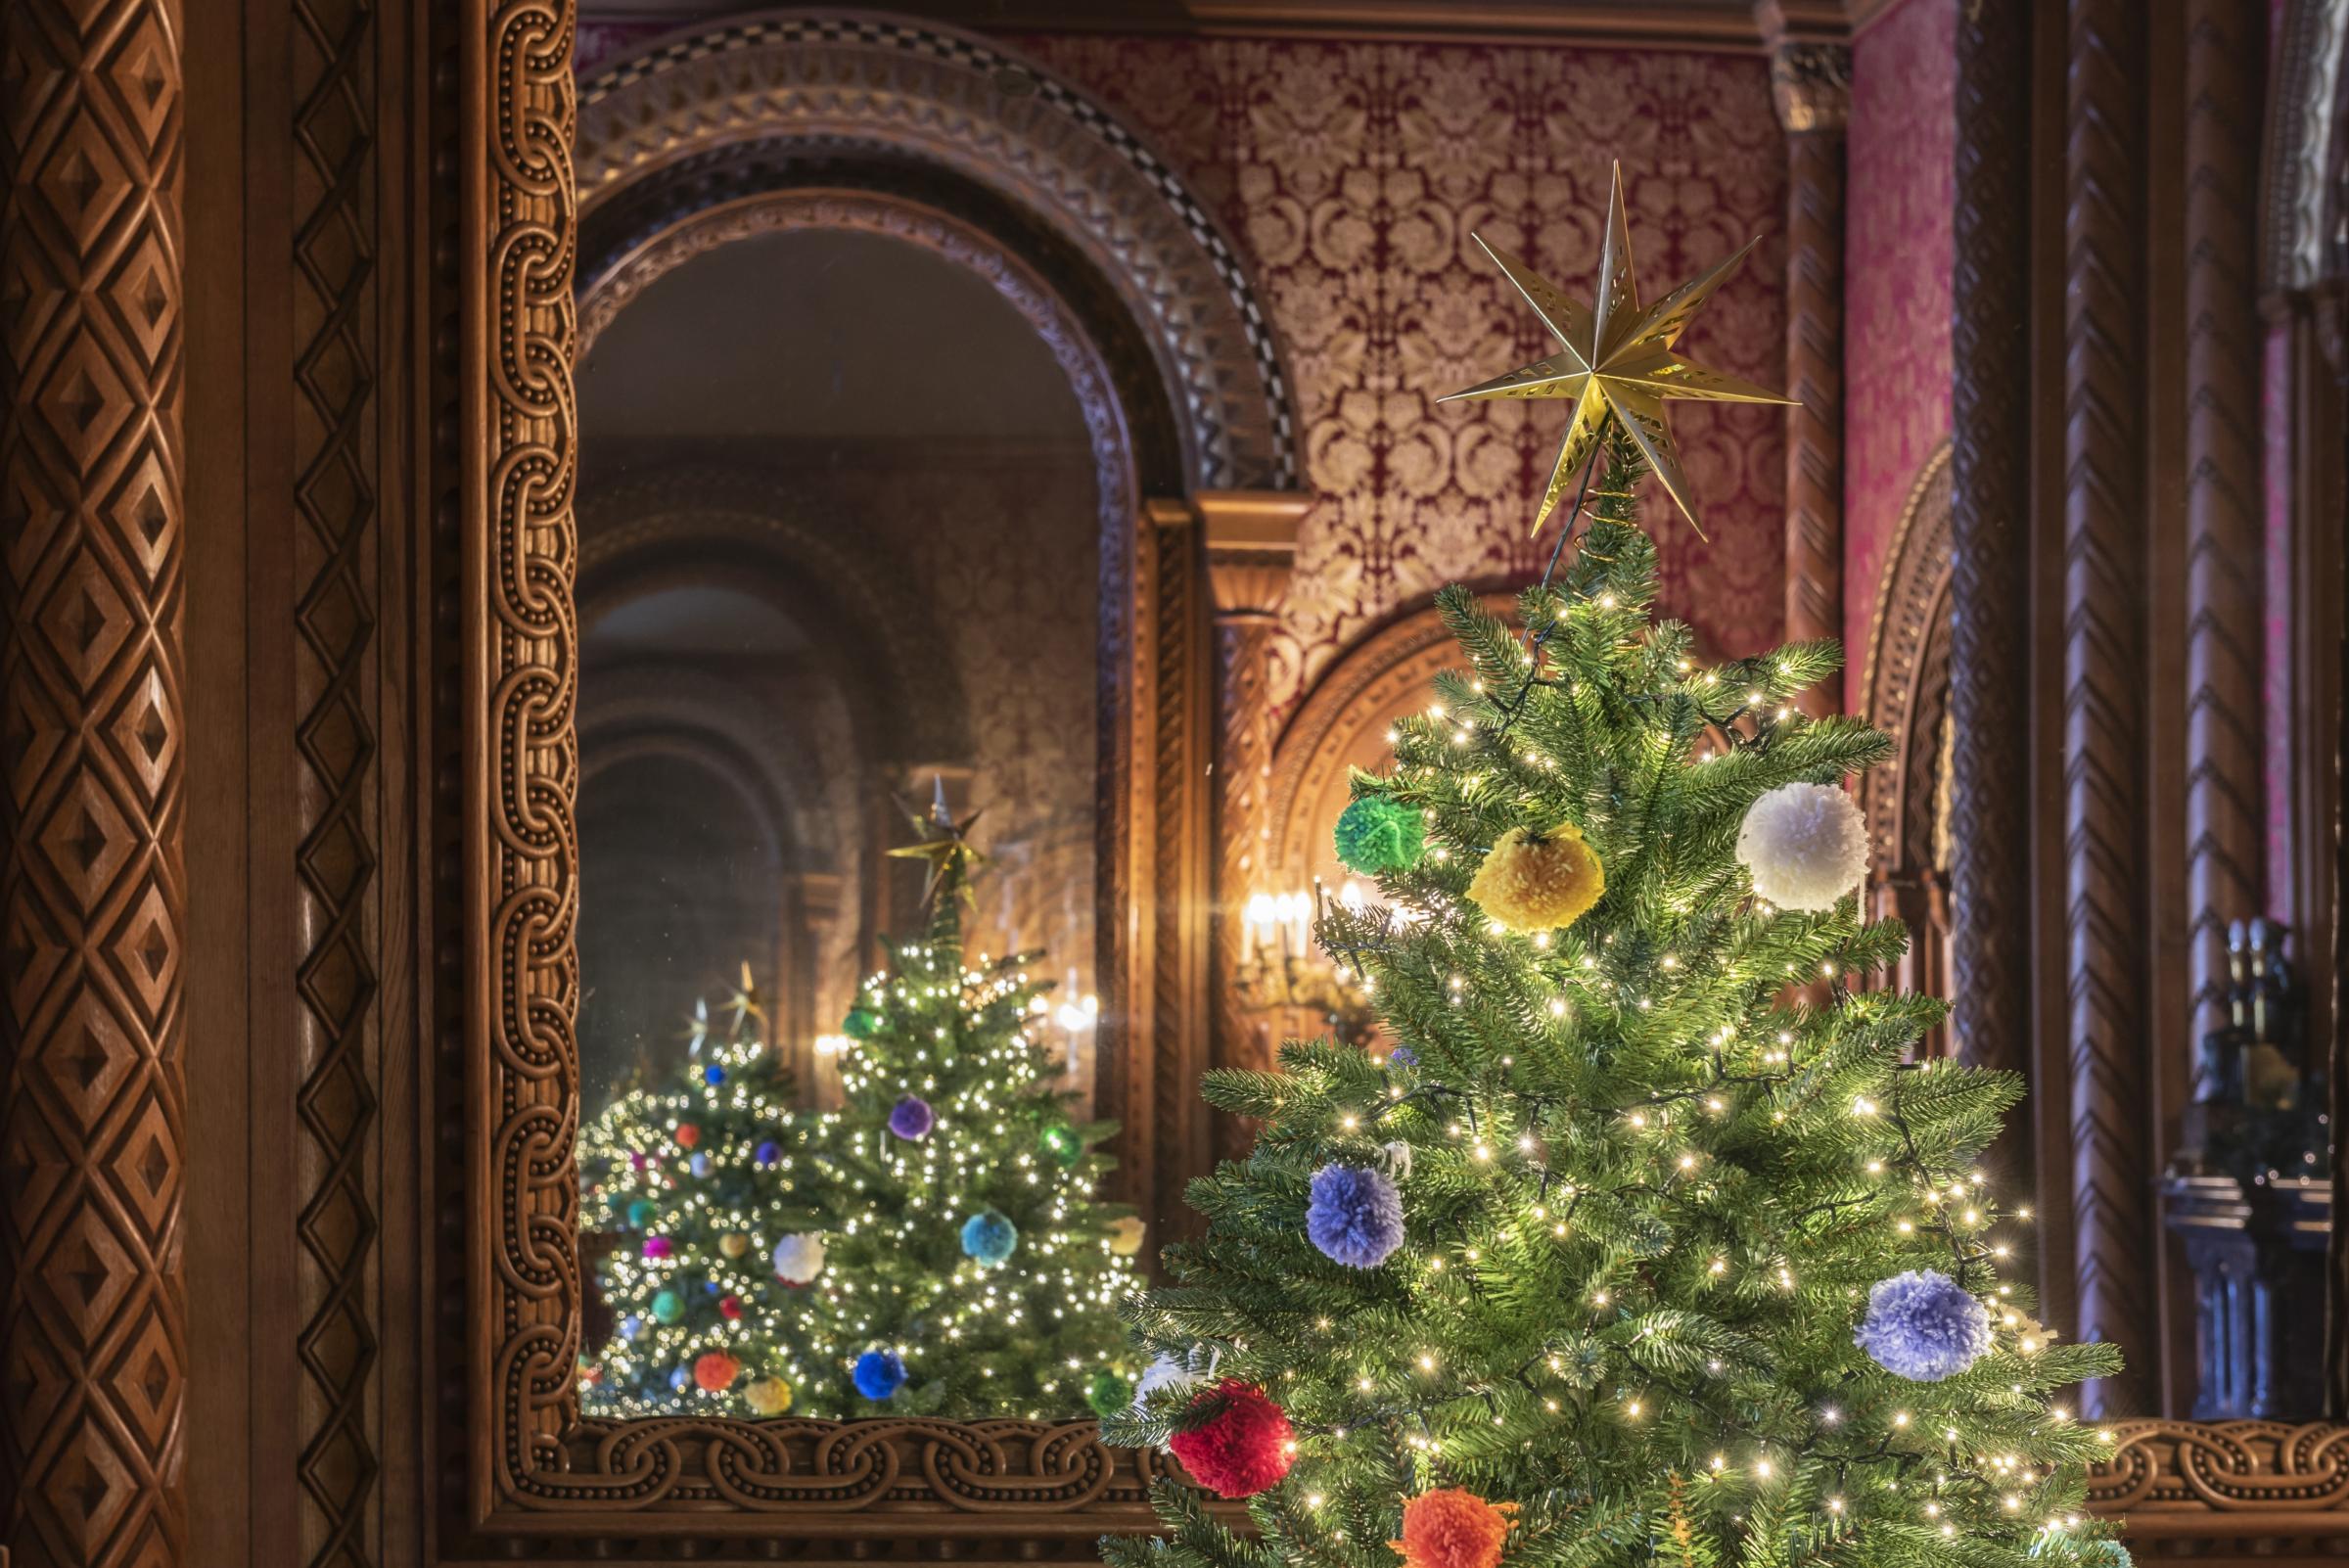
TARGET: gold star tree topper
(1618,361)
(944,844)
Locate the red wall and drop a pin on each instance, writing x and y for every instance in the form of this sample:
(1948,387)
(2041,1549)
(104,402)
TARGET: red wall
(1351,175)
(1897,292)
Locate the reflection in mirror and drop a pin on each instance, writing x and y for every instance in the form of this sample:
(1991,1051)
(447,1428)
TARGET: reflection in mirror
(839,611)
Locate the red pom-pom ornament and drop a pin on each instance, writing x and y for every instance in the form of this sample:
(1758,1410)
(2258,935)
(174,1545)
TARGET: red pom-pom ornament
(715,1372)
(1453,1528)
(688,1134)
(1244,1449)
(729,1307)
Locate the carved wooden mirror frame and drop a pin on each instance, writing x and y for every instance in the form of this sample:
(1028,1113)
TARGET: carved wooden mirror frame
(539,1478)
(767,123)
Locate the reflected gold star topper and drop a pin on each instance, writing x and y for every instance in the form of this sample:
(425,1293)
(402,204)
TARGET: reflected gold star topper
(1617,362)
(942,845)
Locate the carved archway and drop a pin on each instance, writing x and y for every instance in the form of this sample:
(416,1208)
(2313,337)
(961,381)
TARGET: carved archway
(1905,684)
(679,525)
(791,100)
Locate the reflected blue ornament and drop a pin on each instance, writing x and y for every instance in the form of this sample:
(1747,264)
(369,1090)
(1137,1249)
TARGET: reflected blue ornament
(990,1237)
(880,1373)
(630,1326)
(681,1379)
(700,1165)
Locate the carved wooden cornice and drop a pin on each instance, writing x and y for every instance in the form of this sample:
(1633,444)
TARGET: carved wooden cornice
(1251,542)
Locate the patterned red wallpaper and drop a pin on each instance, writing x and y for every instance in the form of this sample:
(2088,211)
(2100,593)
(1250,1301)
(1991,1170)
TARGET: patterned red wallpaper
(1352,174)
(1897,257)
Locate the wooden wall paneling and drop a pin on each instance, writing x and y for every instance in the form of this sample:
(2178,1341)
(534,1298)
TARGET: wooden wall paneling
(1811,85)
(338,313)
(2224,810)
(2104,647)
(219,1223)
(2162,1051)
(1989,458)
(93,894)
(1180,729)
(1250,542)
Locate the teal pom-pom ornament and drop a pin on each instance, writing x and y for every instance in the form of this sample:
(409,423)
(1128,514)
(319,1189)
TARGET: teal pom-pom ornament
(1062,1145)
(862,1023)
(988,1237)
(667,1307)
(1109,1394)
(1375,835)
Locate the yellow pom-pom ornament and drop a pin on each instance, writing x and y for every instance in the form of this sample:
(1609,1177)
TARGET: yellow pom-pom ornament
(1126,1236)
(770,1396)
(1539,881)
(734,1244)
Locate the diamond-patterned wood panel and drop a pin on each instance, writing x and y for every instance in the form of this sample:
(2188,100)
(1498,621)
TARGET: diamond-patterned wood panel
(92,897)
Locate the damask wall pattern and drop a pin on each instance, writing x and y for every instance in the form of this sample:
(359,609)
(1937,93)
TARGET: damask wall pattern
(1898,251)
(1351,175)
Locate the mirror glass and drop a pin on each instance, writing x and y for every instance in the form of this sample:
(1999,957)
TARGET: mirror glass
(838,595)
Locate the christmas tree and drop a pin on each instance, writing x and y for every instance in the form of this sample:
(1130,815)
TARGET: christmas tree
(697,1184)
(967,1268)
(1651,1240)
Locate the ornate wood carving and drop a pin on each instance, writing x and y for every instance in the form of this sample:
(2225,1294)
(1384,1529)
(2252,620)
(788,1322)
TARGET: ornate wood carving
(93,901)
(1989,503)
(2104,662)
(522,658)
(1810,84)
(1250,542)
(2225,811)
(789,86)
(337,476)
(2179,1480)
(1912,602)
(1815,162)
(1169,744)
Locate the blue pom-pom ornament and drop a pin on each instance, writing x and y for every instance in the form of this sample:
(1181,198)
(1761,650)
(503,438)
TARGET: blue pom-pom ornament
(1354,1216)
(714,1075)
(990,1237)
(767,1152)
(1924,1326)
(1375,834)
(880,1373)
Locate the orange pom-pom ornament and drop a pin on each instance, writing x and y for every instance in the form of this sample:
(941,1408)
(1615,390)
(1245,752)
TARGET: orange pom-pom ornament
(715,1372)
(1246,1448)
(1535,881)
(1453,1528)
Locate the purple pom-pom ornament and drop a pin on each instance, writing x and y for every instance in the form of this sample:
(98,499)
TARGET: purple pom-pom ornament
(1924,1326)
(658,1247)
(911,1118)
(1354,1216)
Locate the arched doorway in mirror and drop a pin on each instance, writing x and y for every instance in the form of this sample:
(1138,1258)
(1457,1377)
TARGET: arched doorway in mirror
(1906,686)
(853,575)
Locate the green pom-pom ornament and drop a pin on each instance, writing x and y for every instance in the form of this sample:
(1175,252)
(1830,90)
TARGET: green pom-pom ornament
(640,1213)
(1108,1393)
(1062,1145)
(667,1307)
(1375,835)
(862,1023)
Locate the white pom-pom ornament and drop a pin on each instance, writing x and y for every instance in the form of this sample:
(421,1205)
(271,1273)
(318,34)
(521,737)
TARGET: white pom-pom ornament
(799,1258)
(1806,845)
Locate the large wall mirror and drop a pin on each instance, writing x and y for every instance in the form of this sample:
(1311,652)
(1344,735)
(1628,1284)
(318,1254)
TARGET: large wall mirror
(839,568)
